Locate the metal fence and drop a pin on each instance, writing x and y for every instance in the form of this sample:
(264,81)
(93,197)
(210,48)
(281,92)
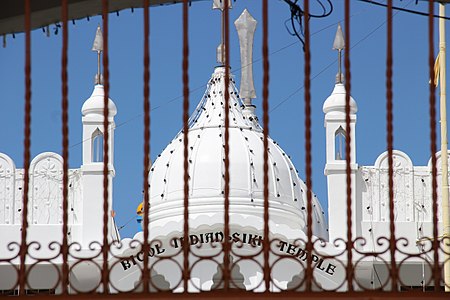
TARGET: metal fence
(186,259)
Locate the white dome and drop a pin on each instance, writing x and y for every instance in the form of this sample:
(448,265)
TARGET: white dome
(287,193)
(94,105)
(336,101)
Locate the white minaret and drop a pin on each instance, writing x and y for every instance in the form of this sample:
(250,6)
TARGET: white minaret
(92,167)
(335,168)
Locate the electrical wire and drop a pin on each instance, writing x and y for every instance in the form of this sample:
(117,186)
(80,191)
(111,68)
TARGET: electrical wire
(404,9)
(333,62)
(297,15)
(126,223)
(192,91)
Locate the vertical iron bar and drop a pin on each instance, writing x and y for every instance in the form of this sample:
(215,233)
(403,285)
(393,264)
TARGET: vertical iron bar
(145,271)
(433,147)
(308,155)
(105,246)
(265,50)
(65,145)
(349,242)
(226,244)
(186,271)
(26,150)
(390,145)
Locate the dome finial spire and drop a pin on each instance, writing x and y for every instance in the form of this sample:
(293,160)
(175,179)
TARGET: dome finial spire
(246,26)
(220,4)
(339,45)
(98,47)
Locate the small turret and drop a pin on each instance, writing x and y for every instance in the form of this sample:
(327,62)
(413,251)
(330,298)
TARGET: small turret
(93,153)
(92,112)
(336,136)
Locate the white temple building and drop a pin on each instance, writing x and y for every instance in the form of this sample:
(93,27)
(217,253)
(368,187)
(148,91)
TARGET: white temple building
(287,205)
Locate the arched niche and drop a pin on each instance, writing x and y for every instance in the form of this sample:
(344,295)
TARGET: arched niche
(340,137)
(97,146)
(7,189)
(45,200)
(403,186)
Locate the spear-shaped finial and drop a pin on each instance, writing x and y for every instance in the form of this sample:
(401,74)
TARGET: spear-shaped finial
(246,26)
(220,4)
(339,45)
(98,47)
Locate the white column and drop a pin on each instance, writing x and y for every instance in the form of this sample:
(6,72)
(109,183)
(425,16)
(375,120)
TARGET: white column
(335,168)
(92,171)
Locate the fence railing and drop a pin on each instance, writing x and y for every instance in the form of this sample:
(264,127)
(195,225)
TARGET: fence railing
(237,256)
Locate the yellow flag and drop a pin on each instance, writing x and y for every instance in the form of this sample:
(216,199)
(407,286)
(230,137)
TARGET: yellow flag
(436,72)
(140,209)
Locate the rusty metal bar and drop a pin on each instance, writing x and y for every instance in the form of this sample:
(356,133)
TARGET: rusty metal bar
(65,145)
(349,242)
(390,146)
(145,270)
(105,245)
(226,243)
(26,150)
(265,50)
(308,151)
(433,147)
(186,270)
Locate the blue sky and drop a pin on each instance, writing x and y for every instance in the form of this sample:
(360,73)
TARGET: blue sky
(368,59)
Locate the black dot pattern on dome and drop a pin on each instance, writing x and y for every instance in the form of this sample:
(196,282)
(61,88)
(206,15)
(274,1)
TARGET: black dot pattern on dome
(211,115)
